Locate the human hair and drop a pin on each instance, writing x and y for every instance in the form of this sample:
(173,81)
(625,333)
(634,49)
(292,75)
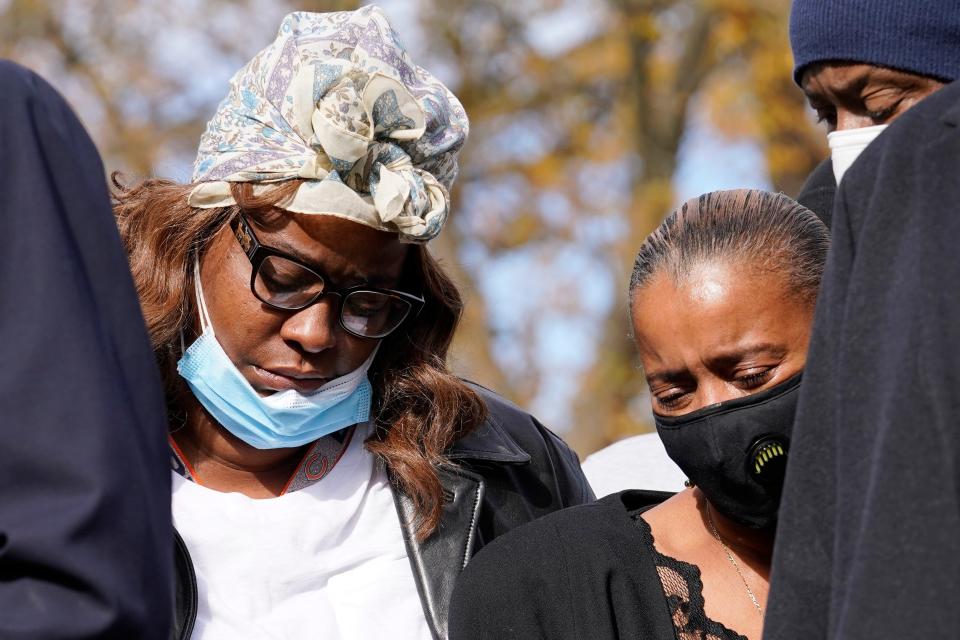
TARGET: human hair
(420,409)
(750,228)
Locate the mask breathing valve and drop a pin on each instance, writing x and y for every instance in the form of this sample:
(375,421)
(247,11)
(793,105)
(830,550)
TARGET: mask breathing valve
(767,459)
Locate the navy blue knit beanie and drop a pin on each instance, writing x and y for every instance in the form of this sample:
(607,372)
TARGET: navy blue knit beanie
(918,36)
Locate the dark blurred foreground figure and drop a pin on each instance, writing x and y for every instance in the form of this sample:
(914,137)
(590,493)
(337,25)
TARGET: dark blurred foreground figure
(86,546)
(862,64)
(721,302)
(869,538)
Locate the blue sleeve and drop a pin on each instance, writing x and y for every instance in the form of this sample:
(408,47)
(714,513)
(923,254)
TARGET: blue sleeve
(86,547)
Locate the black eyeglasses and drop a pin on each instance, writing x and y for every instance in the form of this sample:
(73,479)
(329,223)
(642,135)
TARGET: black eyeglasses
(281,281)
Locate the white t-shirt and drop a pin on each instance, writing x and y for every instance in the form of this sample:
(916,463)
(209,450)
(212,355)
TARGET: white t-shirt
(326,562)
(639,462)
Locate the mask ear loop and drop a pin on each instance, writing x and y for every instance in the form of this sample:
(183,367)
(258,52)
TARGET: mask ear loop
(201,303)
(202,311)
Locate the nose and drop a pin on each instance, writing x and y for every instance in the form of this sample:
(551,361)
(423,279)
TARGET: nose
(850,120)
(714,392)
(315,328)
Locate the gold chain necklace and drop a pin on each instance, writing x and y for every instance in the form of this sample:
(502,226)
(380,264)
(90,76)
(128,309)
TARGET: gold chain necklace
(733,561)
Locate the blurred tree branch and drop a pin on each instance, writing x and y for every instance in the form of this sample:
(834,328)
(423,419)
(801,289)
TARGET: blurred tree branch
(659,91)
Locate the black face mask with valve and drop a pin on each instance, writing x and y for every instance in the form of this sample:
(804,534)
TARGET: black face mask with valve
(736,451)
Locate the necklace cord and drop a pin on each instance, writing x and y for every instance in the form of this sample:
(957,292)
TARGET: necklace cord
(733,561)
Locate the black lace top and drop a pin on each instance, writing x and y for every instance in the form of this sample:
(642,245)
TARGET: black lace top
(586,573)
(683,589)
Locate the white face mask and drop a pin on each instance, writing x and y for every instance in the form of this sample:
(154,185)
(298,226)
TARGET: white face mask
(846,146)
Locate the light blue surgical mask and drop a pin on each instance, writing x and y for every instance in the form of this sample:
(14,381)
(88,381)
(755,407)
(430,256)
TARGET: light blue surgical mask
(284,419)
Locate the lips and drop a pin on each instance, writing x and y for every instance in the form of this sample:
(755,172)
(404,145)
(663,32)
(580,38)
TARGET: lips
(281,379)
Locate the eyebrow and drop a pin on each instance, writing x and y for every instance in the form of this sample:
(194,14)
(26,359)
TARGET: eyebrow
(852,85)
(896,79)
(855,85)
(355,277)
(729,356)
(736,354)
(668,376)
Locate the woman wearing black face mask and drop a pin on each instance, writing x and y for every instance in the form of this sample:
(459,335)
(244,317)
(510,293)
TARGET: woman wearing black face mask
(721,300)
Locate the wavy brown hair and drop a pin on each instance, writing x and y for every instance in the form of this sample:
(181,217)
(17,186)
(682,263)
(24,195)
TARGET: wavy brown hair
(420,408)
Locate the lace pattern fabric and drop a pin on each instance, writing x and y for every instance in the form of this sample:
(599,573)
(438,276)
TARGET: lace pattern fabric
(683,590)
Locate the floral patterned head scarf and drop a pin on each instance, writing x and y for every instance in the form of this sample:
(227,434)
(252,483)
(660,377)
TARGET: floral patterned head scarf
(335,99)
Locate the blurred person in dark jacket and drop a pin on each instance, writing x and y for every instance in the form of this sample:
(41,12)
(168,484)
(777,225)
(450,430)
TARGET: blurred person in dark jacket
(86,541)
(869,538)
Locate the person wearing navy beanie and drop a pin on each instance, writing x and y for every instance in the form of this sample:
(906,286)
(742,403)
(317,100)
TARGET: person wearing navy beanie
(919,37)
(863,63)
(868,541)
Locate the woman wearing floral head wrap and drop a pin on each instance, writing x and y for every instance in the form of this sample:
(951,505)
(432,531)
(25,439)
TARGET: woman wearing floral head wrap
(332,476)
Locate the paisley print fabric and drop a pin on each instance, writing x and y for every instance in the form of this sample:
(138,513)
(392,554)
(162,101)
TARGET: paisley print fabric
(336,100)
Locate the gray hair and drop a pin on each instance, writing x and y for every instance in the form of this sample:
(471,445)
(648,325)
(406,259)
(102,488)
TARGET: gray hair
(764,231)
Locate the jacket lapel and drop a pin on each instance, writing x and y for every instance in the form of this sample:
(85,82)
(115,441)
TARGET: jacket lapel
(439,559)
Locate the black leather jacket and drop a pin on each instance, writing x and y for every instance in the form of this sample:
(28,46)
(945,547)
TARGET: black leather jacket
(510,470)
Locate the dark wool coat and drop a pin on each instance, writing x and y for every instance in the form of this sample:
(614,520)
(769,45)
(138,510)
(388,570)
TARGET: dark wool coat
(86,540)
(818,192)
(868,544)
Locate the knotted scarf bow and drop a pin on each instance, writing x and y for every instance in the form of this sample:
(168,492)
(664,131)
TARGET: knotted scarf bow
(335,100)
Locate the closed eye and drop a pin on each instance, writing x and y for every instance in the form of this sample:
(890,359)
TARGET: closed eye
(671,390)
(827,115)
(671,399)
(881,116)
(753,380)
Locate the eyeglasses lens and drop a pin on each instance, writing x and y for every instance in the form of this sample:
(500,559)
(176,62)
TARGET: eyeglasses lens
(372,313)
(286,284)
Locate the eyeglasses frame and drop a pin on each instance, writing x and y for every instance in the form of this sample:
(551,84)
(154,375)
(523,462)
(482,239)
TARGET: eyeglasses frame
(257,252)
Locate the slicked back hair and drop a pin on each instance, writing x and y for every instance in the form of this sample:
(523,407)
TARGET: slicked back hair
(749,228)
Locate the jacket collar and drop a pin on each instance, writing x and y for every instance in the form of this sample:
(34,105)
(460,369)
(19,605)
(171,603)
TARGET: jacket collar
(438,560)
(490,442)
